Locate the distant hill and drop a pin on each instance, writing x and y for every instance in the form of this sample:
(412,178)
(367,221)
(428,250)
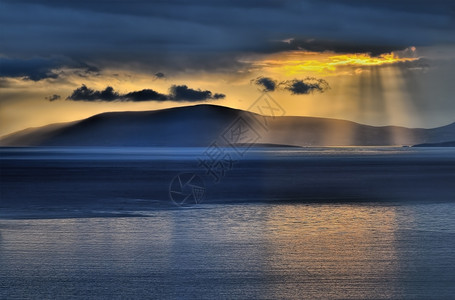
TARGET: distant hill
(444,144)
(201,125)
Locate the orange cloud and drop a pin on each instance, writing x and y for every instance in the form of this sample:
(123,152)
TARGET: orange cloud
(325,63)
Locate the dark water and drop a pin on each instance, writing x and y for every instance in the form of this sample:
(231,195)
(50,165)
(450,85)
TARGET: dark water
(349,223)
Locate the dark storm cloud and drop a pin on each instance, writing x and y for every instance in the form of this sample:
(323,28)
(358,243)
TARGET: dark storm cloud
(315,45)
(182,92)
(218,96)
(53,97)
(159,75)
(266,84)
(305,86)
(86,70)
(145,95)
(32,69)
(210,34)
(36,69)
(413,6)
(176,93)
(86,94)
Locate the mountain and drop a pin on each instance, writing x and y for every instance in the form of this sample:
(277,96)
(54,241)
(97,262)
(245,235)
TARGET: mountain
(444,144)
(201,125)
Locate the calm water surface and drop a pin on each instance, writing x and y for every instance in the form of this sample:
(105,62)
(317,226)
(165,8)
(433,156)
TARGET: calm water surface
(93,225)
(287,251)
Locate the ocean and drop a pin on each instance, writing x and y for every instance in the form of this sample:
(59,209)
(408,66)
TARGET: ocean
(203,223)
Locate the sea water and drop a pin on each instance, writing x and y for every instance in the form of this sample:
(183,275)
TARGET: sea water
(277,223)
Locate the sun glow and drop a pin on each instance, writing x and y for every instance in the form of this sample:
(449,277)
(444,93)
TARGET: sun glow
(327,63)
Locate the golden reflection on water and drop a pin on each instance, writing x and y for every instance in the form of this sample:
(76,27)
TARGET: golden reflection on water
(342,251)
(235,251)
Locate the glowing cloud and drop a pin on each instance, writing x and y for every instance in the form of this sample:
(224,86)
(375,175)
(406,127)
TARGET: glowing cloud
(328,63)
(306,86)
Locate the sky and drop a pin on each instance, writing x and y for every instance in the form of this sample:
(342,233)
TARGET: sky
(389,62)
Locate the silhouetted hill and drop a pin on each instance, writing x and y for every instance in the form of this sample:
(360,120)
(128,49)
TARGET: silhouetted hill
(444,144)
(200,125)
